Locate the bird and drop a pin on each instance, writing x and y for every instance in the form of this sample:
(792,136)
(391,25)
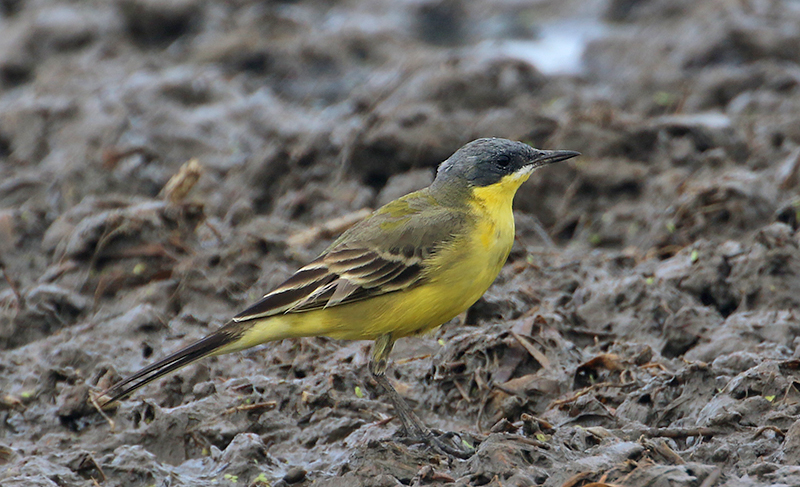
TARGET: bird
(407,268)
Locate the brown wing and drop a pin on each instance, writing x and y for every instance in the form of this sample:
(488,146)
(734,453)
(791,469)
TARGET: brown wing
(338,277)
(386,252)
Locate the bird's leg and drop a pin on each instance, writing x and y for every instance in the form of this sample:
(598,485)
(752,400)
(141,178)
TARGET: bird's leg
(412,426)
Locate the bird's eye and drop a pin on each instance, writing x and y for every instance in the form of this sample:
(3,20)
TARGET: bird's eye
(503,160)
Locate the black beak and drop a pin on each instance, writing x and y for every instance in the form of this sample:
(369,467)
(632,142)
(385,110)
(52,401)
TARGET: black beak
(544,157)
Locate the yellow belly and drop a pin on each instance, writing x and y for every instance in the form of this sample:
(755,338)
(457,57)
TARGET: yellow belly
(459,275)
(465,272)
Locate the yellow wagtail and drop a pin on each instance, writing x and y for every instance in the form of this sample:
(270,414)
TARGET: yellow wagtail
(407,268)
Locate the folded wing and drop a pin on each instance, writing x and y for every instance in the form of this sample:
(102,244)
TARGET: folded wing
(339,277)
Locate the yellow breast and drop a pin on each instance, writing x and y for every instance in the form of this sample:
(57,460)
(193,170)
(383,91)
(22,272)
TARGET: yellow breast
(458,275)
(466,270)
(494,235)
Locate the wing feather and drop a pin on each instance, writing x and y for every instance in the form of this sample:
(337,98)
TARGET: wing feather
(378,281)
(387,252)
(337,278)
(403,280)
(371,279)
(344,288)
(366,270)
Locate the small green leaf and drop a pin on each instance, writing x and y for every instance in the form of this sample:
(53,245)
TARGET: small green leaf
(441,341)
(769,398)
(466,444)
(670,227)
(542,437)
(359,392)
(665,98)
(261,481)
(695,255)
(649,281)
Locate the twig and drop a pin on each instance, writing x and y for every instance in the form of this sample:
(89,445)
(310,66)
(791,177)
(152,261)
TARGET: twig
(93,400)
(587,390)
(97,466)
(536,354)
(660,446)
(463,393)
(481,410)
(577,479)
(671,432)
(411,359)
(654,365)
(214,230)
(385,421)
(250,407)
(712,478)
(768,428)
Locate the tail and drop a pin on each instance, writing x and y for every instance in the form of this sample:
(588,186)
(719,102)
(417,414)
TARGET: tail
(209,345)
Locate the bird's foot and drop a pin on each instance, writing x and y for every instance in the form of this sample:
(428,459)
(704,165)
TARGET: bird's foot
(450,443)
(417,432)
(446,443)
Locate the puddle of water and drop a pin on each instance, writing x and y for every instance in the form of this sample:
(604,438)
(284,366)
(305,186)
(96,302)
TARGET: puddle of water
(559,47)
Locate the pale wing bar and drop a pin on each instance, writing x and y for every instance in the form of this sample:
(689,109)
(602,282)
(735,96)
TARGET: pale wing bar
(338,277)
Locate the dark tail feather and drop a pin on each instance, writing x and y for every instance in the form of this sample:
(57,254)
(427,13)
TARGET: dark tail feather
(181,358)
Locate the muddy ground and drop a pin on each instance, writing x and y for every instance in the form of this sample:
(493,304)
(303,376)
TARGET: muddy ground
(645,331)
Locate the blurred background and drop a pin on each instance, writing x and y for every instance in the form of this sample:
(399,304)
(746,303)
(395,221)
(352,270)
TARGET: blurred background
(672,242)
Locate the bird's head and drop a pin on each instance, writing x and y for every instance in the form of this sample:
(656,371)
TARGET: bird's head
(494,164)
